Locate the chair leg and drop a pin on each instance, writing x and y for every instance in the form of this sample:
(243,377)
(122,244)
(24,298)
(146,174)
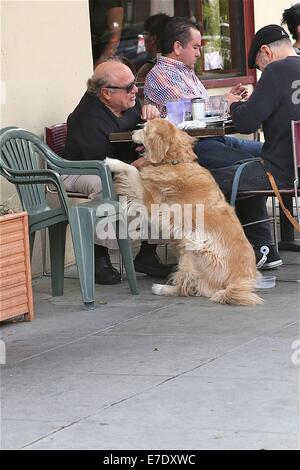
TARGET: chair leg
(166,253)
(274,223)
(31,243)
(286,228)
(82,229)
(57,242)
(297,203)
(126,253)
(121,264)
(44,250)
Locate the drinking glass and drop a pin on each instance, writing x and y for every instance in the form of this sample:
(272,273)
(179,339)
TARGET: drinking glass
(176,111)
(215,106)
(187,109)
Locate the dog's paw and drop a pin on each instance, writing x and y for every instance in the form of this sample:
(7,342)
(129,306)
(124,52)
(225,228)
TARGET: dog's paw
(112,163)
(138,136)
(164,289)
(157,289)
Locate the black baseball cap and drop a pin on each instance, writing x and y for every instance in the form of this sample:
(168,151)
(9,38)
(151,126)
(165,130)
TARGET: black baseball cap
(266,35)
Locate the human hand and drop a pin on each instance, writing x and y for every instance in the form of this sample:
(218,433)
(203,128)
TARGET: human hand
(149,112)
(240,90)
(231,98)
(139,163)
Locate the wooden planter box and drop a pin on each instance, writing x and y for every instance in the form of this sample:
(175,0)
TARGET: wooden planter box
(15,271)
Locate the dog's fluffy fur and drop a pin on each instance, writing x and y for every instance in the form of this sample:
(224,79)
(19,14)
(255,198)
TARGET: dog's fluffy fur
(222,266)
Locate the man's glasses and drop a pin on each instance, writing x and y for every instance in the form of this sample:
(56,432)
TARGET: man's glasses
(128,88)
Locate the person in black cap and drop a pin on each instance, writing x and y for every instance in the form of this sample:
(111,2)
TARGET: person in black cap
(291,17)
(274,103)
(272,42)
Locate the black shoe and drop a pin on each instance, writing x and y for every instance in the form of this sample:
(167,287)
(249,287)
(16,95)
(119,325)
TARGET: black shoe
(267,257)
(152,265)
(273,259)
(105,273)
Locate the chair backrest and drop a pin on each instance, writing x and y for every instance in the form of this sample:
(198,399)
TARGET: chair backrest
(55,137)
(20,154)
(296,146)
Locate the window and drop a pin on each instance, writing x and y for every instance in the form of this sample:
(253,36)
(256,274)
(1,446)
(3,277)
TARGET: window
(223,51)
(226,27)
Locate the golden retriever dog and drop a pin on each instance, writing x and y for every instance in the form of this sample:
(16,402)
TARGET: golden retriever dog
(220,263)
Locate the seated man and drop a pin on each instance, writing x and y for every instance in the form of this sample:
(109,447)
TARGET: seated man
(273,104)
(173,77)
(109,105)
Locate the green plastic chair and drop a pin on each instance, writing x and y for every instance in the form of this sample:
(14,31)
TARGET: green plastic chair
(20,164)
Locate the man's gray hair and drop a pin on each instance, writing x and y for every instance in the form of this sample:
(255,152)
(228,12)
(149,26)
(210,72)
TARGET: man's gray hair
(285,42)
(96,82)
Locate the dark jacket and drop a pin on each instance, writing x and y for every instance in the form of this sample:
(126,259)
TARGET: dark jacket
(88,129)
(274,103)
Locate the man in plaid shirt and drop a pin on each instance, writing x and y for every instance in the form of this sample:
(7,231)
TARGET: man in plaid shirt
(169,80)
(173,77)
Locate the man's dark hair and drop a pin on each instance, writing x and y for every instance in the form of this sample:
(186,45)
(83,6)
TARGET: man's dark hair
(177,29)
(291,17)
(155,24)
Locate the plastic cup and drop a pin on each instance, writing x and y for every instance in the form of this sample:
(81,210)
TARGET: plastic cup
(176,111)
(265,282)
(188,109)
(215,106)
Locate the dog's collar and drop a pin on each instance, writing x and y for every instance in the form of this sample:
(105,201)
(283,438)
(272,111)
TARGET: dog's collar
(171,162)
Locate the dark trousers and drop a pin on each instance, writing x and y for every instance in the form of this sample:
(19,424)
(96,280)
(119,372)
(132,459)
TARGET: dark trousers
(220,155)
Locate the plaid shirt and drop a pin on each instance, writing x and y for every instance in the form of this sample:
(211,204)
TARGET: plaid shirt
(169,80)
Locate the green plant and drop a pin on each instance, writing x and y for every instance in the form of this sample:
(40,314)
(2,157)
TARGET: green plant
(5,209)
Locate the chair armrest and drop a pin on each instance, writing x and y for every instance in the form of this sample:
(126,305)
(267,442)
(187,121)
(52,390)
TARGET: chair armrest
(37,177)
(62,166)
(84,167)
(245,160)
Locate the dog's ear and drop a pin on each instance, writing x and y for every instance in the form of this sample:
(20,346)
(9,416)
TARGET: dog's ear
(157,147)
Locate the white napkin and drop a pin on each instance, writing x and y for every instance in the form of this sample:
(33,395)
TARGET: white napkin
(196,124)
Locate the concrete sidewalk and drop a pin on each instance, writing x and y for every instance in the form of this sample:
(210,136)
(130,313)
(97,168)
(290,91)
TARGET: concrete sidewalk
(146,372)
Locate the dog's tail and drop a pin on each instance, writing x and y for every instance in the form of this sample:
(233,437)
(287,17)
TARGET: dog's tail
(239,293)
